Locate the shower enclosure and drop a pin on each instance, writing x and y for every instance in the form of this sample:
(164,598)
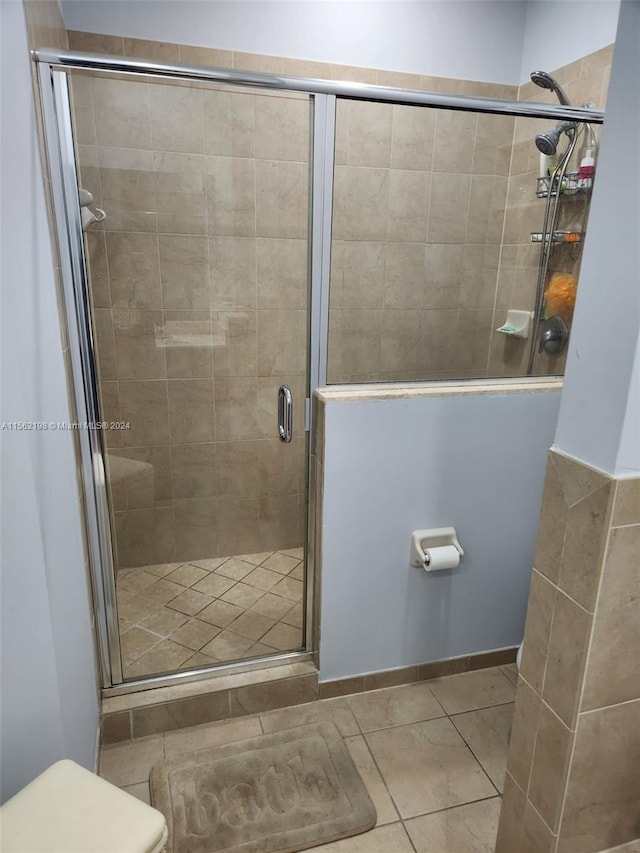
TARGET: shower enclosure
(263,236)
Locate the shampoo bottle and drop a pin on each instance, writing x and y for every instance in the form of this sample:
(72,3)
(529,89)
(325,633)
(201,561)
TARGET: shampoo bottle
(587,169)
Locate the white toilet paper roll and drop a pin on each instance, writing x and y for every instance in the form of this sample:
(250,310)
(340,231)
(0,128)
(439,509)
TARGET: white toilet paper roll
(445,557)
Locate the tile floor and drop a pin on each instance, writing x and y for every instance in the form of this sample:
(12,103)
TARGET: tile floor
(183,615)
(432,755)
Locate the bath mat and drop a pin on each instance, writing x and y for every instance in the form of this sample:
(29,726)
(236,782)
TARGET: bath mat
(278,793)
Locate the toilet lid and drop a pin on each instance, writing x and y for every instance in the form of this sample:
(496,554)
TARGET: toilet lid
(67,809)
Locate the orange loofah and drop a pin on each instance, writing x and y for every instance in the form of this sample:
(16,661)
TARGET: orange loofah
(560,295)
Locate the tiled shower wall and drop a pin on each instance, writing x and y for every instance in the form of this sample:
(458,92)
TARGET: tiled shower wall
(419,202)
(573,772)
(585,81)
(199,286)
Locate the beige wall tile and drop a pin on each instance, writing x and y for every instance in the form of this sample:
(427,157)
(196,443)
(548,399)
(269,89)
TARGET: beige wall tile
(281,199)
(390,678)
(180,714)
(144,537)
(196,532)
(191,410)
(236,408)
(551,529)
(578,480)
(155,50)
(587,527)
(412,137)
(258,62)
(479,276)
(229,123)
(566,658)
(511,815)
(144,405)
(231,201)
(369,134)
(627,506)
(275,694)
(139,349)
(523,734)
(449,206)
(408,204)
(194,471)
(602,807)
(134,270)
(233,273)
(115,727)
(404,275)
(493,145)
(189,344)
(154,487)
(443,275)
(235,342)
(83,114)
(540,609)
(282,273)
(184,271)
(357,189)
(454,141)
(103,325)
(281,342)
(550,766)
(206,56)
(359,280)
(122,113)
(236,472)
(613,675)
(398,352)
(177,122)
(352,73)
(95,42)
(180,189)
(282,128)
(487,201)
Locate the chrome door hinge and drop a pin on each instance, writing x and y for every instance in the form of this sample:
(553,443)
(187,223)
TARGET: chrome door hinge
(307,414)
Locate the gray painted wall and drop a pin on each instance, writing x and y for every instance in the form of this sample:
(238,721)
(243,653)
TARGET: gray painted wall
(394,466)
(558,32)
(477,39)
(606,326)
(48,690)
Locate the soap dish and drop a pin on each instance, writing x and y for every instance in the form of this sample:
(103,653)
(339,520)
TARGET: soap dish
(518,324)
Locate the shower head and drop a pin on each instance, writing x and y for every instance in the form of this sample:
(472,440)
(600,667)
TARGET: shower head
(546,81)
(547,143)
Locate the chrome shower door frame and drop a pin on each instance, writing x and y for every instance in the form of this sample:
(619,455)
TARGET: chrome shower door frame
(56,112)
(59,141)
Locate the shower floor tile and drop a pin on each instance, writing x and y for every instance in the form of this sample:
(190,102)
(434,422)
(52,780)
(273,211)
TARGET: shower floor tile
(210,611)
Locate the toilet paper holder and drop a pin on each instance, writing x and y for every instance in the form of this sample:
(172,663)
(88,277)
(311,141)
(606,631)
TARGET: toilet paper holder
(436,537)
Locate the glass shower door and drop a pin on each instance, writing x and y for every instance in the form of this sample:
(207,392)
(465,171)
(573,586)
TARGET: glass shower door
(198,277)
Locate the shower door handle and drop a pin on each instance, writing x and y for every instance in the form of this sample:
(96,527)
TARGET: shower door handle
(285,414)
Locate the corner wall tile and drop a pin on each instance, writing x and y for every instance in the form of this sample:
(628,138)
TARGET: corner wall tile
(602,799)
(566,658)
(613,674)
(550,766)
(542,599)
(587,529)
